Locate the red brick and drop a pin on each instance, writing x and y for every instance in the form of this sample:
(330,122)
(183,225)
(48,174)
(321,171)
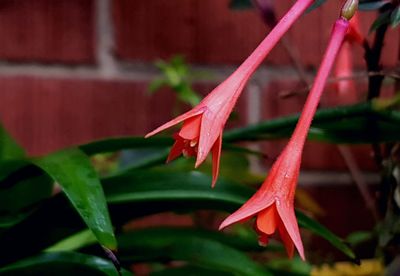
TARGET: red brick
(47,31)
(152,29)
(48,114)
(318,156)
(204,31)
(209,32)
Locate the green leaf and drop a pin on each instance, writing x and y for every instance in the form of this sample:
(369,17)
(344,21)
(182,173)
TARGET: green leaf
(156,84)
(131,196)
(322,231)
(240,4)
(9,148)
(359,237)
(190,270)
(187,95)
(395,17)
(65,263)
(120,143)
(166,186)
(383,19)
(316,4)
(193,246)
(72,169)
(176,75)
(192,187)
(22,198)
(73,242)
(152,237)
(362,123)
(372,5)
(290,267)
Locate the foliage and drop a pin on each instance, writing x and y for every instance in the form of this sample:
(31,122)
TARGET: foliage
(58,214)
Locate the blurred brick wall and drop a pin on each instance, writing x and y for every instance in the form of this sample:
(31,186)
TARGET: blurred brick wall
(76,70)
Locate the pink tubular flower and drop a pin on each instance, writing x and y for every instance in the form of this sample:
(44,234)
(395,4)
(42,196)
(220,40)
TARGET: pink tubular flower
(273,203)
(203,125)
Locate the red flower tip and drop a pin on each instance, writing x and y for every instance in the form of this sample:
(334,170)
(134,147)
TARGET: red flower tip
(273,206)
(345,87)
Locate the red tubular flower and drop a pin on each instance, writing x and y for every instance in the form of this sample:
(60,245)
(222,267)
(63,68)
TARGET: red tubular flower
(273,203)
(354,33)
(346,90)
(203,125)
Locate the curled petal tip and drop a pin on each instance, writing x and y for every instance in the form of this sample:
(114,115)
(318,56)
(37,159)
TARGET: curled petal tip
(152,133)
(200,159)
(225,224)
(197,164)
(213,183)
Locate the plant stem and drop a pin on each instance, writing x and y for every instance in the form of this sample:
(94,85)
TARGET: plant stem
(373,57)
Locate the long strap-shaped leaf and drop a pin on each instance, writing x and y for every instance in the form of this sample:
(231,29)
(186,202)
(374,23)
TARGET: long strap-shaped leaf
(62,264)
(195,250)
(191,187)
(138,194)
(72,170)
(344,124)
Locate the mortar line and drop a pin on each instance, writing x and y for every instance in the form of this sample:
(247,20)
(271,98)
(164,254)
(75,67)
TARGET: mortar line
(138,71)
(254,115)
(105,43)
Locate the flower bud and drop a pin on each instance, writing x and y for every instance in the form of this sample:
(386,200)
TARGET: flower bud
(349,9)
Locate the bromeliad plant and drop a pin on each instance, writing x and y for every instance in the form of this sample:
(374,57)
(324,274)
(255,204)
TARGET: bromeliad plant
(47,230)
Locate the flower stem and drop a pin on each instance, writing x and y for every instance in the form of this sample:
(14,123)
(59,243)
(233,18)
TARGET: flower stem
(254,60)
(310,107)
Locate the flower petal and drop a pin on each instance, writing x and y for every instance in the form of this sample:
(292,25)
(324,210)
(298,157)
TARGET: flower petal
(177,120)
(258,202)
(209,131)
(287,241)
(216,154)
(286,212)
(268,220)
(176,149)
(191,128)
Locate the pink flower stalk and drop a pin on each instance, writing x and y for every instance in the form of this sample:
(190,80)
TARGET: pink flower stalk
(203,125)
(273,203)
(346,90)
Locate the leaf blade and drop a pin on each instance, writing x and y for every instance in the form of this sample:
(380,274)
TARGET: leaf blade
(71,168)
(65,263)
